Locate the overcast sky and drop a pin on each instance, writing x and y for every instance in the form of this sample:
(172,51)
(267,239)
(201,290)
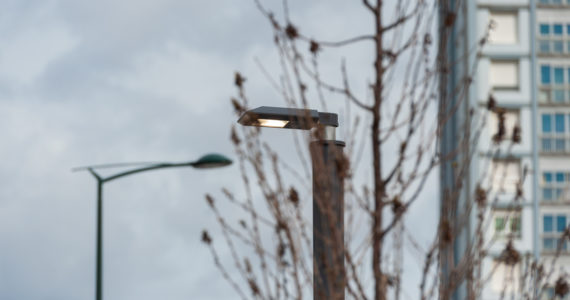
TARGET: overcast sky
(90,82)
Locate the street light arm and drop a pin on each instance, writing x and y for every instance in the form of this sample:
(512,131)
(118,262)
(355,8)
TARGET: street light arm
(144,169)
(211,160)
(97,176)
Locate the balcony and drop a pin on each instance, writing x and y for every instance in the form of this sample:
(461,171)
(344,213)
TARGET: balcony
(556,193)
(554,144)
(554,46)
(554,94)
(550,243)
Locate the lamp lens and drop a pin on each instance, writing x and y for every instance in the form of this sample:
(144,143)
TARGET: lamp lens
(272,123)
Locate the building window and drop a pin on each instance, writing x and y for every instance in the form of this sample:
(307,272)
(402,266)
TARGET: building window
(505,277)
(558,47)
(556,186)
(504,74)
(545,74)
(557,29)
(553,227)
(547,223)
(559,123)
(507,224)
(558,75)
(505,28)
(544,46)
(554,2)
(552,40)
(547,187)
(546,123)
(560,223)
(554,86)
(505,176)
(555,133)
(511,120)
(544,29)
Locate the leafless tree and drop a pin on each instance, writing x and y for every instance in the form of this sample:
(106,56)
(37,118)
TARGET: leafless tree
(401,117)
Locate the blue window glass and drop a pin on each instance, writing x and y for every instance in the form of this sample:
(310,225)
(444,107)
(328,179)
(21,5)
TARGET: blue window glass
(547,223)
(557,29)
(559,95)
(546,123)
(547,177)
(547,194)
(559,123)
(544,29)
(558,75)
(559,145)
(544,46)
(557,47)
(558,193)
(548,244)
(560,223)
(559,177)
(568,27)
(546,145)
(568,68)
(545,74)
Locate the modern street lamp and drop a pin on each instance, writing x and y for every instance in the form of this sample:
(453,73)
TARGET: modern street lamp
(329,274)
(205,162)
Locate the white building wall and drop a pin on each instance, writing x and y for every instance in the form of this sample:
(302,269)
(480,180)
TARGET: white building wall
(549,162)
(516,99)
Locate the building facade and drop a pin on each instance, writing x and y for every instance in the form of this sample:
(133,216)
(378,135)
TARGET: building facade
(521,148)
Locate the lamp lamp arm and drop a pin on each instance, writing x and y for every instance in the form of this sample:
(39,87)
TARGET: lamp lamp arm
(144,169)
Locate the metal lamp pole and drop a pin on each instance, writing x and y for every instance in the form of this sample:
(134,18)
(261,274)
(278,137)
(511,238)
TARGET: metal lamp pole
(329,273)
(207,161)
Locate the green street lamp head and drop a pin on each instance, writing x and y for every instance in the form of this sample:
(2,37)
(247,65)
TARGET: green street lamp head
(212,160)
(291,118)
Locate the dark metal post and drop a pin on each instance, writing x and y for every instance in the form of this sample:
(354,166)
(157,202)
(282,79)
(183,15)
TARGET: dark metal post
(328,220)
(207,161)
(99,266)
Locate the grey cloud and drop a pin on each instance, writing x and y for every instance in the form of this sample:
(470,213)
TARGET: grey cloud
(119,92)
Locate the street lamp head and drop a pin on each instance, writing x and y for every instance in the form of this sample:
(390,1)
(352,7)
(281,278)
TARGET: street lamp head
(292,118)
(212,160)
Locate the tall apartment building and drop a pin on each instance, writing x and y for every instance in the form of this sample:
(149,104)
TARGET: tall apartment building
(525,66)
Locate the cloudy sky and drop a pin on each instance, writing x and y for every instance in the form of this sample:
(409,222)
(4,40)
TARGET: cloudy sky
(90,82)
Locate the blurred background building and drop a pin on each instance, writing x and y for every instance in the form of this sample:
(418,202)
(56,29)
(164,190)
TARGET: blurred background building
(525,66)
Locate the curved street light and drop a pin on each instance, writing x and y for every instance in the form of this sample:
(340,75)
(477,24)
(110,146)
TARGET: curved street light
(207,161)
(327,189)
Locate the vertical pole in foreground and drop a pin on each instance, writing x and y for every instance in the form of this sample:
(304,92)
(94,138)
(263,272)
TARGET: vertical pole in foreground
(328,220)
(99,254)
